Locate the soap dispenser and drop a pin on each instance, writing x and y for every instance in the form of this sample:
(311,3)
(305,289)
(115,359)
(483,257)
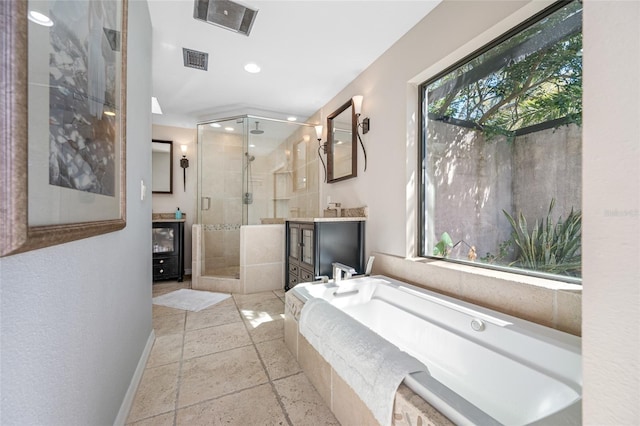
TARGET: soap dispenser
(178,213)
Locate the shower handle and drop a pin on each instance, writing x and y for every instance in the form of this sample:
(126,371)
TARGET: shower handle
(205,201)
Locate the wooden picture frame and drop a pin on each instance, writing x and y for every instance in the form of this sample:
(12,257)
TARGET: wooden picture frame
(79,191)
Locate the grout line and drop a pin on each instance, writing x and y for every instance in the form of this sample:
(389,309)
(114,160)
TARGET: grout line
(270,381)
(184,335)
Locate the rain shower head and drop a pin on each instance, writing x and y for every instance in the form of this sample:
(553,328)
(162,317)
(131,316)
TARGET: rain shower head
(257,131)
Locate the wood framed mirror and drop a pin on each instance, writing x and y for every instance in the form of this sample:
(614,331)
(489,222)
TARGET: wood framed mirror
(342,154)
(162,170)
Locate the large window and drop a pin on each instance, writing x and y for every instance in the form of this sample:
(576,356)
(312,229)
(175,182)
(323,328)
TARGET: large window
(502,151)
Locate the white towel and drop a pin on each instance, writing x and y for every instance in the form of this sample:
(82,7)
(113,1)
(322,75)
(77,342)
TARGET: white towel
(372,366)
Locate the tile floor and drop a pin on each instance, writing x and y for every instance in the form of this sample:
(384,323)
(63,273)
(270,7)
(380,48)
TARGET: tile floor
(226,364)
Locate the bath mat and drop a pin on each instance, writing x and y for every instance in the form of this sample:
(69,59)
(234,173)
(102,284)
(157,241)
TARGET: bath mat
(190,300)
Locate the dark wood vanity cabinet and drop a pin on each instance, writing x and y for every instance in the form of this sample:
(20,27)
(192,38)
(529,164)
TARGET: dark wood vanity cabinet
(313,246)
(168,250)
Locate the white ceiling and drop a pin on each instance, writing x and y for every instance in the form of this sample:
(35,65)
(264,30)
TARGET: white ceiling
(308,50)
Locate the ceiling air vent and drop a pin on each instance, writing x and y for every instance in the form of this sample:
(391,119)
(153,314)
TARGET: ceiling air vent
(195,59)
(226,14)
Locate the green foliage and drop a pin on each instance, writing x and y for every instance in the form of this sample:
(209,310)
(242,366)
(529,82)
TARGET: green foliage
(532,88)
(504,251)
(443,246)
(549,247)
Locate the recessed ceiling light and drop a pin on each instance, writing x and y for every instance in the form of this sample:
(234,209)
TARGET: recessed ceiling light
(215,125)
(229,129)
(292,118)
(252,68)
(39,18)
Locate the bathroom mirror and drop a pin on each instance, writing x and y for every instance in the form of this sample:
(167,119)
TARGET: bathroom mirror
(342,151)
(162,172)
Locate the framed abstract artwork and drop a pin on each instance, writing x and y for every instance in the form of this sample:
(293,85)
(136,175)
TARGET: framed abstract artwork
(63,121)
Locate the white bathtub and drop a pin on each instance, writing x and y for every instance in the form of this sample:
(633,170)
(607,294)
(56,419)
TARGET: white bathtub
(485,367)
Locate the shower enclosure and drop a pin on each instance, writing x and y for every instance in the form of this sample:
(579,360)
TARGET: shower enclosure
(252,171)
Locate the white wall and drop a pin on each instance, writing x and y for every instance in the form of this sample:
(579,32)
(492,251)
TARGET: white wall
(611,160)
(389,87)
(76,317)
(611,213)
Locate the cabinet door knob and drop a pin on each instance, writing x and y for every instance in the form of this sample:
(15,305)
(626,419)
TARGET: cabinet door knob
(162,261)
(161,270)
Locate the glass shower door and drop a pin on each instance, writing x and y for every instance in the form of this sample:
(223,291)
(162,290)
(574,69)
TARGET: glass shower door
(221,159)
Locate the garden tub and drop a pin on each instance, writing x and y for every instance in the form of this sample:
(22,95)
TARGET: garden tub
(483,367)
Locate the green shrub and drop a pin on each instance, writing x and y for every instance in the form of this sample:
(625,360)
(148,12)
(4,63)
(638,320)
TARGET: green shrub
(549,247)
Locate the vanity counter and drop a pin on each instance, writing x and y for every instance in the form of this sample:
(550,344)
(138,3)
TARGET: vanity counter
(327,219)
(167,217)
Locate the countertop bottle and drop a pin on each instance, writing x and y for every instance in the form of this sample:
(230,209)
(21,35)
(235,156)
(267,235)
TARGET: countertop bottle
(178,213)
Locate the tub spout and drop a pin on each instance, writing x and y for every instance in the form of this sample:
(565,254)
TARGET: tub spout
(339,268)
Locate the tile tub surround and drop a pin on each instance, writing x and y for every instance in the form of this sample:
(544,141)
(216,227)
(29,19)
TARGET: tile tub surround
(346,405)
(550,303)
(227,364)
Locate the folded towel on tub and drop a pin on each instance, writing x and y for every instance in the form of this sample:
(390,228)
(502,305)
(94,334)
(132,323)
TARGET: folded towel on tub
(371,365)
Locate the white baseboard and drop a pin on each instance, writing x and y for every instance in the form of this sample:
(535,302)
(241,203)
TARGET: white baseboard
(123,413)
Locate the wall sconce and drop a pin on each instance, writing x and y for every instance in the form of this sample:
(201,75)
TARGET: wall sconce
(322,148)
(184,163)
(357,107)
(364,125)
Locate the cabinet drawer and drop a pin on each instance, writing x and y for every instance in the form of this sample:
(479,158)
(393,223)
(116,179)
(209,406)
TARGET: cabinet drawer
(306,276)
(293,269)
(293,280)
(164,261)
(164,271)
(165,267)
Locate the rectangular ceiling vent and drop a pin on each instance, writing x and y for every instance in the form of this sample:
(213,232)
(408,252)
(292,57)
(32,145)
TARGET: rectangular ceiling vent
(226,14)
(195,59)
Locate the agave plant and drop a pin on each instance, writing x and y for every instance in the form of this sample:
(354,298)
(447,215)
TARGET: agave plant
(549,247)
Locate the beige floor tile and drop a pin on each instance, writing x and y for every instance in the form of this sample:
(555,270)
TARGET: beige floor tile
(219,315)
(254,297)
(219,374)
(161,420)
(215,339)
(255,406)
(226,302)
(156,393)
(270,308)
(166,350)
(217,384)
(159,311)
(165,287)
(169,324)
(277,358)
(279,293)
(262,331)
(302,403)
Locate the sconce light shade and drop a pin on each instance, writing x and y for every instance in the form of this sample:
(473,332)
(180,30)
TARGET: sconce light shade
(184,150)
(357,104)
(319,131)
